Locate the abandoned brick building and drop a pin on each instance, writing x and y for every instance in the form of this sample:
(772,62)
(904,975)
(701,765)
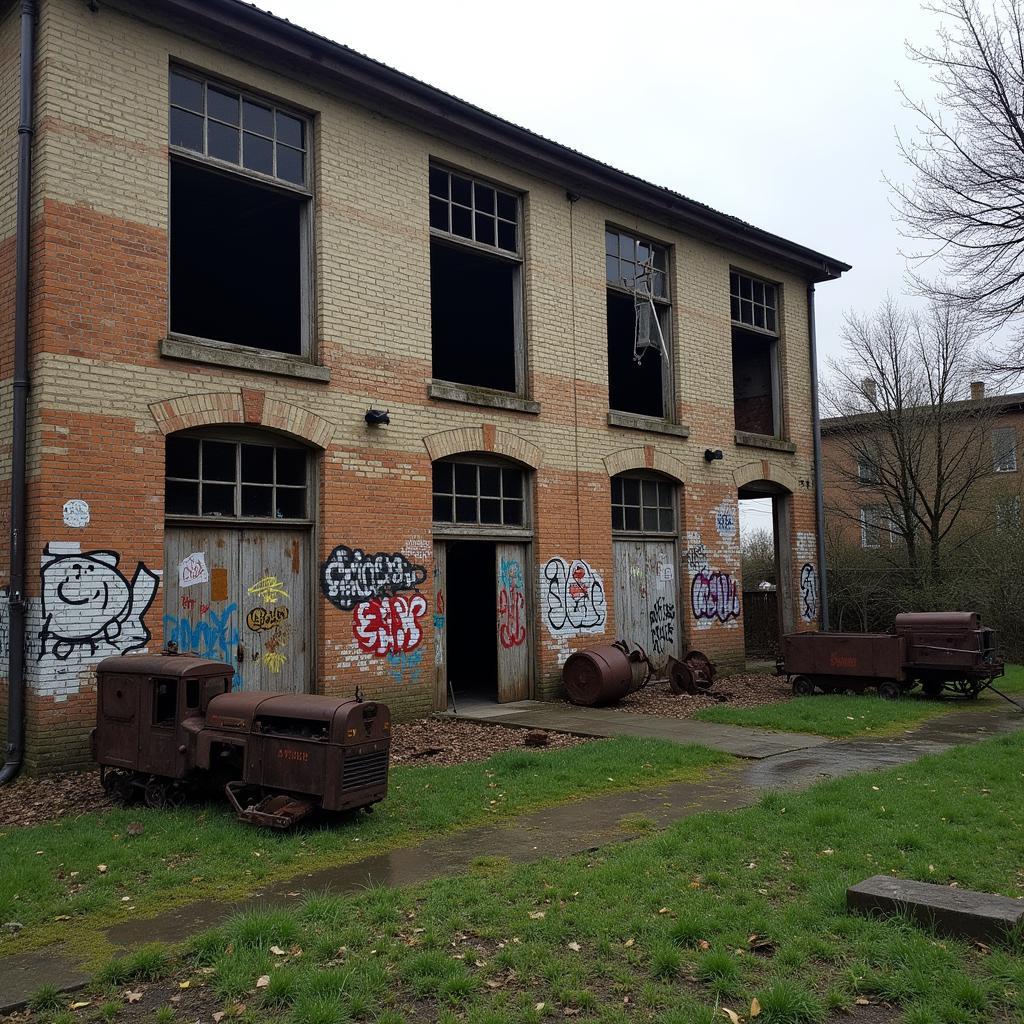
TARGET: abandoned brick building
(345,381)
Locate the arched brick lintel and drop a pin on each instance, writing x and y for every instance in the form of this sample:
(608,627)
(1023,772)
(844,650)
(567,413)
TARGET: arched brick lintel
(247,406)
(764,470)
(645,457)
(485,438)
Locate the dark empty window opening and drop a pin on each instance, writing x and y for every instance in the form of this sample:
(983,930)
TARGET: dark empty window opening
(165,702)
(472,317)
(475,283)
(639,380)
(755,328)
(236,260)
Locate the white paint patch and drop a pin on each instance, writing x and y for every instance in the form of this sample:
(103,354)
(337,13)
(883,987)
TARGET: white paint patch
(573,597)
(666,572)
(806,547)
(725,519)
(193,570)
(416,549)
(696,553)
(76,513)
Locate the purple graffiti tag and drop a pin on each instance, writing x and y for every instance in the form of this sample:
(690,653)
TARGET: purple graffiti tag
(715,595)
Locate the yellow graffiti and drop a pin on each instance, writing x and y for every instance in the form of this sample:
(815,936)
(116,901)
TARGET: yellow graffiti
(274,660)
(268,589)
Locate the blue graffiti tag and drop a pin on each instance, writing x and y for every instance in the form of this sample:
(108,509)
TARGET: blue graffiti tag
(214,637)
(402,663)
(511,574)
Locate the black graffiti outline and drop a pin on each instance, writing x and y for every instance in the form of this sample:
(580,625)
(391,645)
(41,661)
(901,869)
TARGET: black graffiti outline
(662,619)
(563,608)
(349,576)
(112,631)
(809,592)
(714,595)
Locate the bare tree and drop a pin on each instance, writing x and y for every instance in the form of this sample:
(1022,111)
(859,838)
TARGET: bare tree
(757,552)
(965,204)
(908,437)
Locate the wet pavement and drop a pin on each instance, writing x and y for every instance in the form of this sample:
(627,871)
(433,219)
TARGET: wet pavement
(554,832)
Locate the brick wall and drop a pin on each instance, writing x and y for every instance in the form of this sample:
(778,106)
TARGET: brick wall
(104,398)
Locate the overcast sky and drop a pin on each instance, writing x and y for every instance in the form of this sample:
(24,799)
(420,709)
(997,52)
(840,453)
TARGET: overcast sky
(784,114)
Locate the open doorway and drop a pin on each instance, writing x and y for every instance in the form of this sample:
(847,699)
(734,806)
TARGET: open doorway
(472,610)
(760,576)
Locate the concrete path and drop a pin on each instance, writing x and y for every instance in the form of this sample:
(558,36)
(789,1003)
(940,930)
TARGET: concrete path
(558,717)
(555,832)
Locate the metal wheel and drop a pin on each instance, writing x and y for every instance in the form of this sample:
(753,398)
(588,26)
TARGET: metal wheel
(119,786)
(175,796)
(156,794)
(932,687)
(889,690)
(702,669)
(680,677)
(803,686)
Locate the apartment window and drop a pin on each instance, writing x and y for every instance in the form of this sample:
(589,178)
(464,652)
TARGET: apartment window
(214,478)
(1004,450)
(643,504)
(754,309)
(874,526)
(476,268)
(639,308)
(479,493)
(240,213)
(1008,510)
(867,470)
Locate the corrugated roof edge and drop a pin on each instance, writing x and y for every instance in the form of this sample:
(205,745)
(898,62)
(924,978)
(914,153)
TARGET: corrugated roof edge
(267,32)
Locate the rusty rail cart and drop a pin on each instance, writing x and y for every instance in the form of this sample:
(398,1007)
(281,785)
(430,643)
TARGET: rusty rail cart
(169,723)
(943,652)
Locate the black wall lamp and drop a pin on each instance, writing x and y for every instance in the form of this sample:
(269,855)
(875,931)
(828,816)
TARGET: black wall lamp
(713,454)
(377,417)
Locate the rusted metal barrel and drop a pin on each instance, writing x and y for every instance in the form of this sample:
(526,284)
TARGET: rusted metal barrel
(604,674)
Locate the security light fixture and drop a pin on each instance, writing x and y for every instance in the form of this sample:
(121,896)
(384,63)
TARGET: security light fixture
(377,417)
(713,454)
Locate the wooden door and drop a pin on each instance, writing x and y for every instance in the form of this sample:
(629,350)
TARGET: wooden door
(513,622)
(646,611)
(440,634)
(274,615)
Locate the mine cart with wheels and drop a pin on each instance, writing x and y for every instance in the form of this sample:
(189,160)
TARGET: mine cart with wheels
(941,651)
(169,723)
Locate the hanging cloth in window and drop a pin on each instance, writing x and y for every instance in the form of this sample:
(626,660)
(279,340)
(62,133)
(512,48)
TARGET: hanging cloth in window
(647,333)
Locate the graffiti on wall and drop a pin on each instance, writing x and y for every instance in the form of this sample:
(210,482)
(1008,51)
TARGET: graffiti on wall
(511,604)
(696,554)
(715,596)
(211,634)
(5,629)
(90,607)
(386,625)
(404,666)
(808,593)
(725,519)
(574,600)
(439,628)
(663,625)
(350,576)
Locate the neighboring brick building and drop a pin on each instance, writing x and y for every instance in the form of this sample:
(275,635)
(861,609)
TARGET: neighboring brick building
(856,504)
(245,238)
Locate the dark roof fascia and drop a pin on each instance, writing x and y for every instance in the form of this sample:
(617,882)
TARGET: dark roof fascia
(425,106)
(1004,403)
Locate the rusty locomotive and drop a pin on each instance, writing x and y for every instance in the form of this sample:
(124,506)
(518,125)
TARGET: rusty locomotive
(941,651)
(169,723)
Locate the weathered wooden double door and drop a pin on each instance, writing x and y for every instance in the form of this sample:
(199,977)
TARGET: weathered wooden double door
(646,589)
(242,596)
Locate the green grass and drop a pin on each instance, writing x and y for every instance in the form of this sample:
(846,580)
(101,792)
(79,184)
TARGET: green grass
(863,714)
(53,870)
(713,912)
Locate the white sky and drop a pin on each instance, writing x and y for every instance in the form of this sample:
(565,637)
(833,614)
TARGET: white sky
(783,114)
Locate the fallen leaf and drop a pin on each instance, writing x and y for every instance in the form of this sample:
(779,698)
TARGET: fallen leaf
(539,1007)
(703,944)
(132,997)
(755,1007)
(733,1016)
(491,983)
(62,917)
(101,868)
(263,981)
(277,951)
(80,1005)
(861,1001)
(536,915)
(218,1016)
(574,946)
(184,984)
(664,910)
(629,942)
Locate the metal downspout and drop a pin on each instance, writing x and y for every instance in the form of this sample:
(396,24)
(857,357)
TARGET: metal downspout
(19,437)
(819,490)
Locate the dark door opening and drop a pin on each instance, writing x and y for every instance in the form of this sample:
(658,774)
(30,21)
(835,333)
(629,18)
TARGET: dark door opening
(472,652)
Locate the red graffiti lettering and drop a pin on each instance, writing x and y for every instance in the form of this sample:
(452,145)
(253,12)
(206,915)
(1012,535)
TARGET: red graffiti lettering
(511,608)
(440,602)
(386,625)
(188,603)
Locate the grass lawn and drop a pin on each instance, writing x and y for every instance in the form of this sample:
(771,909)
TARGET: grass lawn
(860,714)
(51,882)
(715,912)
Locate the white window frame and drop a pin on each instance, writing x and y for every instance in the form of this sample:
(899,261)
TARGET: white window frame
(871,518)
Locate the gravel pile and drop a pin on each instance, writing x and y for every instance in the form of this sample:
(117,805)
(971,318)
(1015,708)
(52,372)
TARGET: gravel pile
(747,690)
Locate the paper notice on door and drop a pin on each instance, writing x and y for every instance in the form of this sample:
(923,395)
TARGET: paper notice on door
(192,570)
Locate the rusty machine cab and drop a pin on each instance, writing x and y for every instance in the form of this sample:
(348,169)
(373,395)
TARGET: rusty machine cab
(948,641)
(145,705)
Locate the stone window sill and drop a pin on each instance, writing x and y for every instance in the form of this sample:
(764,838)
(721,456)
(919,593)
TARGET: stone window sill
(650,424)
(448,392)
(772,444)
(240,357)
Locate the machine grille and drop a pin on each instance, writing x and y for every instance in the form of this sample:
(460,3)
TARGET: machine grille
(365,770)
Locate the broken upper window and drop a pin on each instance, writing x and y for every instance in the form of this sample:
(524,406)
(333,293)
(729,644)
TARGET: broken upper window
(475,282)
(215,478)
(638,306)
(755,362)
(875,527)
(1004,450)
(867,470)
(239,218)
(478,493)
(643,503)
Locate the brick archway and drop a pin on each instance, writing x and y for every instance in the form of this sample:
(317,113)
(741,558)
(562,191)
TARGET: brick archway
(645,457)
(764,470)
(485,438)
(247,406)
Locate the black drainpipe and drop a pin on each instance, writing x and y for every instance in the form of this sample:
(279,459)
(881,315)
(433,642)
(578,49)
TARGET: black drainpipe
(819,490)
(19,438)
